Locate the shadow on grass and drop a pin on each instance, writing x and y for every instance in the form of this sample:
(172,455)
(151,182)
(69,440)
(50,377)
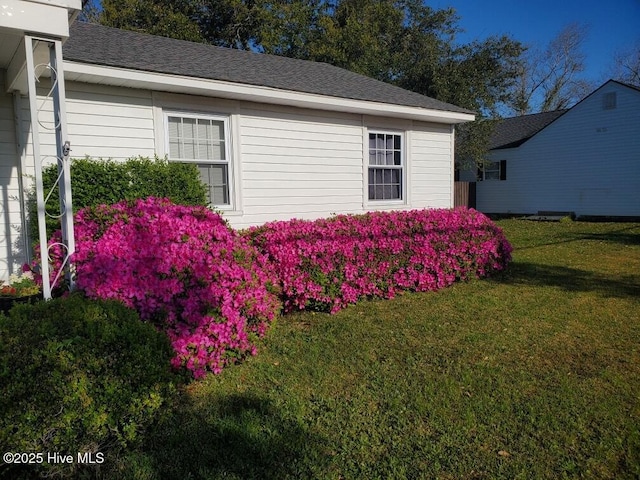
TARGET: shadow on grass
(624,236)
(241,436)
(569,279)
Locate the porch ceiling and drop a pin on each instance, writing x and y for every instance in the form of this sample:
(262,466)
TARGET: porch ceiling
(49,19)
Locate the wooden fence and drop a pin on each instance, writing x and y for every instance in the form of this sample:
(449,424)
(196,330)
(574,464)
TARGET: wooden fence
(464,194)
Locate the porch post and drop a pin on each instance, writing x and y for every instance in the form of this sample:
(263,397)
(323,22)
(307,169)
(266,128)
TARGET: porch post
(37,110)
(63,148)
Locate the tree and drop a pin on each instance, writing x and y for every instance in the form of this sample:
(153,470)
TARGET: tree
(472,143)
(90,11)
(477,76)
(233,23)
(282,27)
(291,28)
(549,79)
(166,18)
(363,36)
(626,67)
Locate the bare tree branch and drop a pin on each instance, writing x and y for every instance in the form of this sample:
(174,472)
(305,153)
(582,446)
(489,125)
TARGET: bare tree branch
(627,65)
(549,79)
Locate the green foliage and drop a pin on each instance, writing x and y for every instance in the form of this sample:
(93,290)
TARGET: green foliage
(476,76)
(280,27)
(472,143)
(79,375)
(365,37)
(96,182)
(166,18)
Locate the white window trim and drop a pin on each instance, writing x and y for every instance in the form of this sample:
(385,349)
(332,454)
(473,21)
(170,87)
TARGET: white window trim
(228,147)
(404,167)
(497,169)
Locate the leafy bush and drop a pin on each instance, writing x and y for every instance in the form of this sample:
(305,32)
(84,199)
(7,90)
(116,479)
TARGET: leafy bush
(97,182)
(182,268)
(78,375)
(329,263)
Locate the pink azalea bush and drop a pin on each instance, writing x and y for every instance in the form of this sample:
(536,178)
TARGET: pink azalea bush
(183,269)
(329,263)
(212,290)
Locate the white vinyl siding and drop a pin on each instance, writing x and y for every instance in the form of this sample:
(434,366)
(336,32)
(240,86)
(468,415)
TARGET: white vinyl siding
(202,140)
(431,166)
(12,236)
(102,122)
(298,163)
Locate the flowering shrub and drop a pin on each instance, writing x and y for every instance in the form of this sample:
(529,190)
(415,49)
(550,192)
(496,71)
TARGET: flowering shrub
(329,263)
(20,285)
(182,268)
(211,289)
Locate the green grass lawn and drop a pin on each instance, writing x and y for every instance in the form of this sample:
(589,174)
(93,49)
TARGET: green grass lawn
(534,373)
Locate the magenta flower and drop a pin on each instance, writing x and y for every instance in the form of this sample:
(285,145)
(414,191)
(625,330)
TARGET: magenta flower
(183,269)
(329,263)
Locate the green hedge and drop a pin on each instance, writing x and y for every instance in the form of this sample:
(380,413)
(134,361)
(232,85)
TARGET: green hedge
(78,376)
(95,182)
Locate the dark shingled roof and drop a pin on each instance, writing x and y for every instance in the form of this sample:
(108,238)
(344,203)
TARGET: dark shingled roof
(513,132)
(630,85)
(99,45)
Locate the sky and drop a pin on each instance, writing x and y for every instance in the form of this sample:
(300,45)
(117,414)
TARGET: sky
(613,25)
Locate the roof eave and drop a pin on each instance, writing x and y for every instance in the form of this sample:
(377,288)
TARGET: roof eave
(106,75)
(514,144)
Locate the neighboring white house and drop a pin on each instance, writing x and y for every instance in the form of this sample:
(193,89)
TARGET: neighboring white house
(274,137)
(584,160)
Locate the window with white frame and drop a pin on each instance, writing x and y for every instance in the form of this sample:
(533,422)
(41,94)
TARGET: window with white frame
(493,171)
(203,140)
(386,166)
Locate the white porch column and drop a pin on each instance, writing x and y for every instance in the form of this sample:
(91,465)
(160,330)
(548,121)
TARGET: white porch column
(59,127)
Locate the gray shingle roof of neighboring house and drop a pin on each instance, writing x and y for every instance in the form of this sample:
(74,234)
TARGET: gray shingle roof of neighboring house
(630,85)
(513,132)
(99,45)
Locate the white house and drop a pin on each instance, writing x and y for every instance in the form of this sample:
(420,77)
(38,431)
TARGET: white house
(274,137)
(584,160)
